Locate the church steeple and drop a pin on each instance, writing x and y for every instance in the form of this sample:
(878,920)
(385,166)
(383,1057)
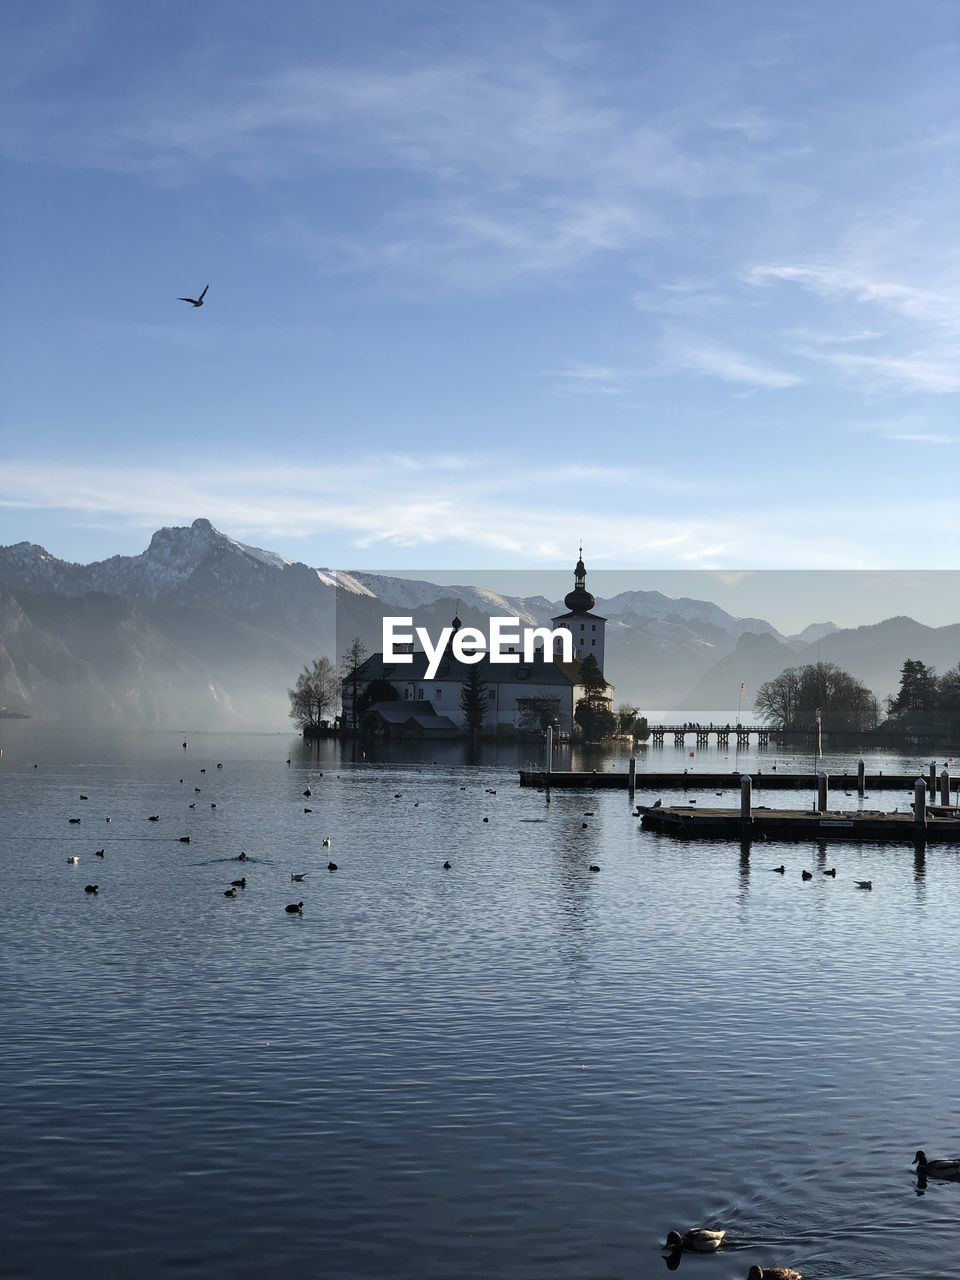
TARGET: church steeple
(586,627)
(579,600)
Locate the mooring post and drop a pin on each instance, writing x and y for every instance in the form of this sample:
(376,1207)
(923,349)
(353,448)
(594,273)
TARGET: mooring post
(823,783)
(861,779)
(945,786)
(933,778)
(920,802)
(632,777)
(746,798)
(549,765)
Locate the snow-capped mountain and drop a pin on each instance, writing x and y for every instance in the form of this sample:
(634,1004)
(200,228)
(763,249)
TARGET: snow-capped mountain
(203,628)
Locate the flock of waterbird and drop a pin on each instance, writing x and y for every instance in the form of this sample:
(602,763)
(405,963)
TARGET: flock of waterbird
(292,908)
(711,1240)
(831,872)
(695,1239)
(782,870)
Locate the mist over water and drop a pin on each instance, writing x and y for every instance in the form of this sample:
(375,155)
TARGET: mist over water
(516,1067)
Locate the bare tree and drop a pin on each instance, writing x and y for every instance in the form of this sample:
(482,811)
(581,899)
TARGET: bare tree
(350,672)
(538,713)
(793,698)
(314,694)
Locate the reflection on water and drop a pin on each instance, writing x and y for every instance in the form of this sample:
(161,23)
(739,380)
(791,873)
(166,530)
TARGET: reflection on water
(514,1067)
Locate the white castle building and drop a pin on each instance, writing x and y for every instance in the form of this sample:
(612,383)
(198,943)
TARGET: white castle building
(515,693)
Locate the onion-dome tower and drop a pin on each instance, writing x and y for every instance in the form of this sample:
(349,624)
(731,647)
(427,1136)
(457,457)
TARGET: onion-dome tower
(586,627)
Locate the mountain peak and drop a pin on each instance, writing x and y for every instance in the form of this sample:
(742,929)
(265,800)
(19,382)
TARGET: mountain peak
(203,524)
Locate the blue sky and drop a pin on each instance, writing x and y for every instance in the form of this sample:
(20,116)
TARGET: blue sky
(681,280)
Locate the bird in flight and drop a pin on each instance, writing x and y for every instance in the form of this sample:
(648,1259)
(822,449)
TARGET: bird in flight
(196,302)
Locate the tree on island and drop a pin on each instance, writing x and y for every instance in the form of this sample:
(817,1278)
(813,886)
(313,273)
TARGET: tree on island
(314,694)
(473,700)
(792,699)
(918,693)
(538,713)
(926,699)
(350,665)
(629,720)
(593,713)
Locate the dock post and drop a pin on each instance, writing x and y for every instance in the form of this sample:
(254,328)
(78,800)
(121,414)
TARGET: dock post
(549,764)
(920,803)
(632,777)
(861,779)
(933,779)
(945,786)
(823,783)
(746,798)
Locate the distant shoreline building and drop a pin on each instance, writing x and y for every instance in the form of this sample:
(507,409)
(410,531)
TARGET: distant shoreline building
(517,696)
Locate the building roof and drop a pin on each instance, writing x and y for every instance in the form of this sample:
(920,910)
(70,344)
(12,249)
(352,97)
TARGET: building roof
(402,712)
(450,669)
(577,613)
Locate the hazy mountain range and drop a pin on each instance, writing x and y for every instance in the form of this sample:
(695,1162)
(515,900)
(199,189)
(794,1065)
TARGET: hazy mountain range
(202,630)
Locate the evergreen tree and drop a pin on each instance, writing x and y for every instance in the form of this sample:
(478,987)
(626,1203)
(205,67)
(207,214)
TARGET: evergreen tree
(473,700)
(350,672)
(593,713)
(918,690)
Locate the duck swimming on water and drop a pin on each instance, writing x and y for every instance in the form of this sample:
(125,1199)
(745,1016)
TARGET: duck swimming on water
(773,1273)
(697,1239)
(948,1168)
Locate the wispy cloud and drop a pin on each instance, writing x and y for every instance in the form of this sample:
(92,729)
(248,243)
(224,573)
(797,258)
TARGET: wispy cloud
(930,372)
(588,379)
(922,437)
(447,505)
(517,163)
(728,365)
(838,282)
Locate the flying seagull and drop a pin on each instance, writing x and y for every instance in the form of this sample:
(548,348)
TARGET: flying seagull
(196,302)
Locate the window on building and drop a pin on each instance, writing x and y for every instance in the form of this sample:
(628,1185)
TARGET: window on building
(583,626)
(594,643)
(594,627)
(419,695)
(438,694)
(408,693)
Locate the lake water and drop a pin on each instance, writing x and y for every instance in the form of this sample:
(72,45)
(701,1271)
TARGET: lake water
(516,1068)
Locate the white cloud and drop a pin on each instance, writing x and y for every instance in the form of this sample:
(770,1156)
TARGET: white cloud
(938,374)
(831,281)
(729,365)
(922,437)
(449,505)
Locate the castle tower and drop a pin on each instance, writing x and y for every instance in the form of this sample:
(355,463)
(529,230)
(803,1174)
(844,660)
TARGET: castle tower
(586,627)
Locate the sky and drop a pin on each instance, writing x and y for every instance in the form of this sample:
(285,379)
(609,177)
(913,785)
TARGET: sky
(485,279)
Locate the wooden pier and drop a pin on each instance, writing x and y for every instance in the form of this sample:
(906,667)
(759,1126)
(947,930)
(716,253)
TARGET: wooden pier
(919,824)
(763,780)
(703,733)
(790,824)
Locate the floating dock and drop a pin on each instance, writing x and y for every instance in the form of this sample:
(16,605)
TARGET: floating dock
(939,824)
(763,780)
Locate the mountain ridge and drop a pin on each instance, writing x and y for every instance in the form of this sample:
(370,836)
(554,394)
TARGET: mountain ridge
(202,624)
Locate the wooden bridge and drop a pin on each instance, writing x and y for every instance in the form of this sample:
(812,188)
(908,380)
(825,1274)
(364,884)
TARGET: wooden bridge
(702,733)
